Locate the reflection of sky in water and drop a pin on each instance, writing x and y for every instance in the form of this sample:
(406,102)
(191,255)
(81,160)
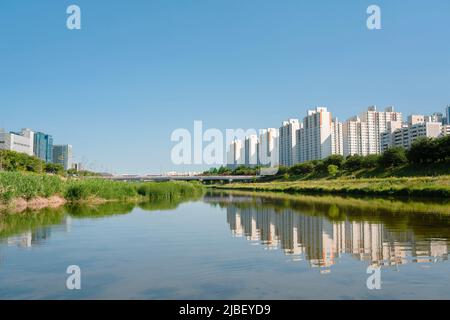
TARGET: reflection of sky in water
(188,253)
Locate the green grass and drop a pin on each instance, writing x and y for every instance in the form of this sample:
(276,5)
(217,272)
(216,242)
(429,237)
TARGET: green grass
(28,186)
(438,187)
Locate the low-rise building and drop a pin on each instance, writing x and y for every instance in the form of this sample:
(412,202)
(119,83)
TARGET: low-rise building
(17,141)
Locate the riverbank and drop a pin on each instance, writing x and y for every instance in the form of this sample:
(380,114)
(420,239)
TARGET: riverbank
(335,205)
(415,187)
(21,191)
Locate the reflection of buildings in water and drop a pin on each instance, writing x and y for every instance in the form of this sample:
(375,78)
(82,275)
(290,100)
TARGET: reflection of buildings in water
(37,236)
(321,241)
(22,240)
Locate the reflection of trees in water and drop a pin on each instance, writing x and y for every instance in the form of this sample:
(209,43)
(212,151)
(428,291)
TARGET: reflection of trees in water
(16,223)
(321,232)
(33,227)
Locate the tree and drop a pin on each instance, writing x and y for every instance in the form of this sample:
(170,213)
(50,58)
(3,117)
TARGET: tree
(423,150)
(319,166)
(393,157)
(333,170)
(353,162)
(301,168)
(371,161)
(15,161)
(335,159)
(443,145)
(224,171)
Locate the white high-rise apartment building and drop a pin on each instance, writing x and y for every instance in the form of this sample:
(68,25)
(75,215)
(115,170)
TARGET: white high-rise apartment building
(268,147)
(355,137)
(251,151)
(235,156)
(22,142)
(377,123)
(288,142)
(319,136)
(406,135)
(337,137)
(362,135)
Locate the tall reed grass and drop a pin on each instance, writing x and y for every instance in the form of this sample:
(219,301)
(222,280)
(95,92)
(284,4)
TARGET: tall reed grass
(29,186)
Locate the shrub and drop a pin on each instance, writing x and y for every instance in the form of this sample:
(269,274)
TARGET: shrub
(332,170)
(54,168)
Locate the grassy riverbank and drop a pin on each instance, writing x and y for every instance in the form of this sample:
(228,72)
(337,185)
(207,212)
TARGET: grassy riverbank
(16,186)
(438,187)
(333,204)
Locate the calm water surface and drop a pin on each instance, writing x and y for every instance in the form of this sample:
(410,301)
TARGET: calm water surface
(226,246)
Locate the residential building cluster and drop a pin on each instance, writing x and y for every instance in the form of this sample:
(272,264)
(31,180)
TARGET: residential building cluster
(40,145)
(319,135)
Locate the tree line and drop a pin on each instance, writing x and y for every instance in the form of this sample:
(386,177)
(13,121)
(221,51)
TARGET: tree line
(21,162)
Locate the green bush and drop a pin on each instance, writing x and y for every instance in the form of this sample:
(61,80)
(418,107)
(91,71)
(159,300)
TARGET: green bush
(54,168)
(333,170)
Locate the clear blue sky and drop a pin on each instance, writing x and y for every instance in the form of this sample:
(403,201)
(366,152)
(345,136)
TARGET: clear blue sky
(137,70)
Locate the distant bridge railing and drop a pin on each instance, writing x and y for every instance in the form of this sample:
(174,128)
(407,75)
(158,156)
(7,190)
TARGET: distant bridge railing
(183,178)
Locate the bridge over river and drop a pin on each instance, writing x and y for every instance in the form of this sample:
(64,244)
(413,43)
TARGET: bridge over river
(185,178)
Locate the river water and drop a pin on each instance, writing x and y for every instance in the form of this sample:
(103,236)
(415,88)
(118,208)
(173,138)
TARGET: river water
(230,246)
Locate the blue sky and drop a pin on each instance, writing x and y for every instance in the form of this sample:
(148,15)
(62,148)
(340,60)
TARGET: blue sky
(137,70)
